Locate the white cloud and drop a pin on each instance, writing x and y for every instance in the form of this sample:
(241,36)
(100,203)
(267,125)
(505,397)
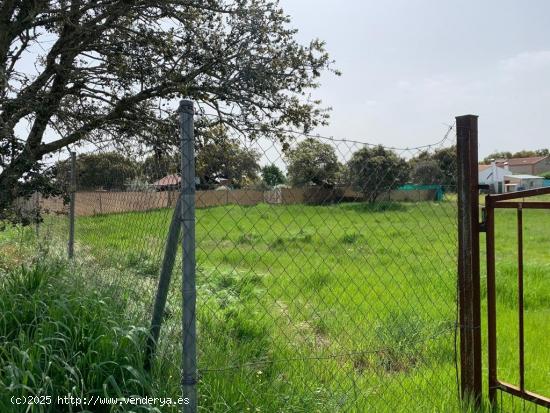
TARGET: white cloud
(528,61)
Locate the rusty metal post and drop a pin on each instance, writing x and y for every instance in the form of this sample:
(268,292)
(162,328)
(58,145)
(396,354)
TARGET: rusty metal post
(468,258)
(520,301)
(491,300)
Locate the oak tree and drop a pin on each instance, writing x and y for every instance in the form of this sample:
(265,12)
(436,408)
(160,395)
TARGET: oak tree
(376,170)
(81,72)
(312,162)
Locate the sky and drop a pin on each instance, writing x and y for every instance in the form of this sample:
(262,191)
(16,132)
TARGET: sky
(410,66)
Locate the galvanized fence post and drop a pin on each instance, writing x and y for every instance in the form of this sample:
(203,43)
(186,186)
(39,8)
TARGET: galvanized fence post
(468,258)
(189,360)
(36,197)
(164,284)
(72,190)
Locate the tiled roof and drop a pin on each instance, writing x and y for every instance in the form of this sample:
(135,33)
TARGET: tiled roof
(168,180)
(483,167)
(522,161)
(524,176)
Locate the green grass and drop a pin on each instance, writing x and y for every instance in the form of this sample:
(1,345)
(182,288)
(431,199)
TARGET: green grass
(310,308)
(58,340)
(345,307)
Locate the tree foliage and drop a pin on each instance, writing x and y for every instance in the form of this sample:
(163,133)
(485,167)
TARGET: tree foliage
(442,162)
(109,171)
(520,154)
(222,157)
(312,162)
(217,156)
(272,176)
(497,155)
(159,165)
(376,170)
(426,172)
(106,70)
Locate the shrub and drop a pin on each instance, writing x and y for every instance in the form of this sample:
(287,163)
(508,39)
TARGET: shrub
(312,162)
(375,171)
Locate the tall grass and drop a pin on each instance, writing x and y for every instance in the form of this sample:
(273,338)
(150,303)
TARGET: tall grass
(57,339)
(308,308)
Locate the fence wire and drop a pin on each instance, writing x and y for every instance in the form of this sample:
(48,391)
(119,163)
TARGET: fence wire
(326,268)
(329,288)
(338,296)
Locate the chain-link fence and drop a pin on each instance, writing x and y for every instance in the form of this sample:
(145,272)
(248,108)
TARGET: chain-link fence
(338,296)
(325,268)
(320,275)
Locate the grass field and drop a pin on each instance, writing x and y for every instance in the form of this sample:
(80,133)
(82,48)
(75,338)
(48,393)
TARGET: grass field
(345,307)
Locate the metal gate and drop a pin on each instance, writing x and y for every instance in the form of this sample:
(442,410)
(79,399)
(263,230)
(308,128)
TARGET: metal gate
(519,202)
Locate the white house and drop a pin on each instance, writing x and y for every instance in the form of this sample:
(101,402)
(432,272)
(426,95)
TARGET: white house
(494,176)
(521,182)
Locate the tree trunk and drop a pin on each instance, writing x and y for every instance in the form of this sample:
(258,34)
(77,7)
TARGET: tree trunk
(9,178)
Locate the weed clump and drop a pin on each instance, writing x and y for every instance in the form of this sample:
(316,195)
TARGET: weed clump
(142,264)
(400,343)
(350,238)
(59,340)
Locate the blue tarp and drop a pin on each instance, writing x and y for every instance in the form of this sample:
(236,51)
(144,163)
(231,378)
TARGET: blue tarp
(547,182)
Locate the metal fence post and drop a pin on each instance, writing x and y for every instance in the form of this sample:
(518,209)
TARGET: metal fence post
(468,258)
(36,197)
(72,190)
(164,284)
(189,361)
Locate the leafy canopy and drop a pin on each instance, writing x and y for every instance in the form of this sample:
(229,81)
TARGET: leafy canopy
(376,170)
(220,156)
(109,171)
(272,176)
(312,162)
(437,167)
(520,154)
(426,172)
(105,71)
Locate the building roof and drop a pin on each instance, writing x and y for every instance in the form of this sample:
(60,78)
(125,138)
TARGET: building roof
(168,180)
(483,167)
(524,176)
(522,161)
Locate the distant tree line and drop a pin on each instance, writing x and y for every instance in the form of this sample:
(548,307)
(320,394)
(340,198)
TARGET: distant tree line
(218,157)
(520,154)
(371,170)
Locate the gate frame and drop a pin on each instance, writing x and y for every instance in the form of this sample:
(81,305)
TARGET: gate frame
(492,202)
